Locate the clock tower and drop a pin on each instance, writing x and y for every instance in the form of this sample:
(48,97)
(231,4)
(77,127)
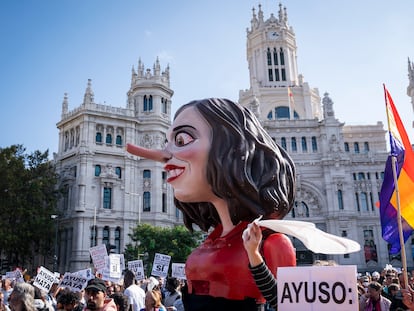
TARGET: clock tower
(274,80)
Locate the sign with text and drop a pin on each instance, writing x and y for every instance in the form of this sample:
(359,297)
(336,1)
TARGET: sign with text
(44,279)
(74,281)
(98,254)
(178,270)
(317,288)
(138,268)
(161,265)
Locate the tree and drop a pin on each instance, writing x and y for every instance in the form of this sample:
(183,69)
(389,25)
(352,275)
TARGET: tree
(176,242)
(28,197)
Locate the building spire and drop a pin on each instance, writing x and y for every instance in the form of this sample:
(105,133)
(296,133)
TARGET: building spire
(88,97)
(65,105)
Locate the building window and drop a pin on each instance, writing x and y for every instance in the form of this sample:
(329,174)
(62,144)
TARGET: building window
(164,202)
(119,140)
(108,139)
(366,147)
(269,57)
(282,57)
(346,146)
(270,73)
(107,198)
(105,236)
(275,57)
(147,201)
(304,145)
(357,202)
(371,198)
(283,142)
(118,171)
(146,174)
(356,147)
(150,103)
(98,137)
(340,200)
(364,201)
(117,240)
(164,176)
(97,170)
(361,176)
(293,144)
(94,236)
(370,249)
(164,105)
(314,144)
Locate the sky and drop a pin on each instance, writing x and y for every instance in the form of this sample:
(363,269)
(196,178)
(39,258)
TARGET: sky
(51,47)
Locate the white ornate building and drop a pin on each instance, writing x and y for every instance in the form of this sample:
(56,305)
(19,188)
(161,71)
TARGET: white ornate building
(108,191)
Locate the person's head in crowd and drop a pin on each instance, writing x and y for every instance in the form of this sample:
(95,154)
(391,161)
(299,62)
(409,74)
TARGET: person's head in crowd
(22,297)
(129,278)
(375,276)
(152,299)
(172,284)
(95,294)
(393,289)
(153,283)
(374,290)
(68,300)
(121,301)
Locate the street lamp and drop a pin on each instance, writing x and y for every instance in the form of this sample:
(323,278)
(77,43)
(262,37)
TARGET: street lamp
(55,256)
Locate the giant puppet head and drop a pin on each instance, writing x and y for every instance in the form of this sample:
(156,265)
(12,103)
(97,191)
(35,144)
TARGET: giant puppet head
(243,165)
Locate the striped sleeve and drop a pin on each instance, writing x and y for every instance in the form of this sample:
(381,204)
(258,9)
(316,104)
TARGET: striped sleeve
(266,282)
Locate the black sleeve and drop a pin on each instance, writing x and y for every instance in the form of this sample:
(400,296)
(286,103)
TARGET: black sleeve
(266,283)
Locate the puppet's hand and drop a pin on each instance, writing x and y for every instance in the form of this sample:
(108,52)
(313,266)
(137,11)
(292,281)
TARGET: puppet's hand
(252,236)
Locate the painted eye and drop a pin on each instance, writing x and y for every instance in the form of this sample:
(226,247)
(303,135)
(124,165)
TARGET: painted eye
(182,139)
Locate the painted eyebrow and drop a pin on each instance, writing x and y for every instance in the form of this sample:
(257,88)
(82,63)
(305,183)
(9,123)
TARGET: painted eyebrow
(182,126)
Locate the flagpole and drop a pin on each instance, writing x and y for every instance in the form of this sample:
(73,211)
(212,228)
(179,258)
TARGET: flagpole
(397,195)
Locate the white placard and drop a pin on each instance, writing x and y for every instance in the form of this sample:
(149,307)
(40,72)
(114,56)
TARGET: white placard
(44,279)
(138,268)
(161,265)
(114,262)
(74,281)
(86,273)
(317,288)
(178,271)
(98,254)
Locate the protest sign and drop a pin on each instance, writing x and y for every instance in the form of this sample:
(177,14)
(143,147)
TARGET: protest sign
(138,268)
(98,254)
(44,279)
(160,265)
(74,281)
(317,288)
(178,271)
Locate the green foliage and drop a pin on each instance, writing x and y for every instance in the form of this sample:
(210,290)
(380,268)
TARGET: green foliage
(28,197)
(176,242)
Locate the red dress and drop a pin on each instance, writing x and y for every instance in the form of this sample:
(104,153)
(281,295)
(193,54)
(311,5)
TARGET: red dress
(219,266)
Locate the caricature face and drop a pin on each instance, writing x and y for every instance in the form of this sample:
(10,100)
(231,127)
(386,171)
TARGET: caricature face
(189,142)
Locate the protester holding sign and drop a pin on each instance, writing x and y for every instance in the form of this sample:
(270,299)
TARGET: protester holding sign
(226,171)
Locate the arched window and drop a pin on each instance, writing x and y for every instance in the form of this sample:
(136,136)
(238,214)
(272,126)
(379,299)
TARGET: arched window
(105,235)
(366,147)
(314,144)
(294,145)
(118,240)
(357,202)
(269,57)
(346,145)
(150,103)
(118,171)
(304,145)
(145,103)
(108,139)
(282,112)
(283,142)
(356,147)
(107,198)
(98,137)
(97,170)
(94,236)
(146,174)
(282,57)
(340,200)
(147,201)
(119,140)
(275,57)
(364,201)
(164,105)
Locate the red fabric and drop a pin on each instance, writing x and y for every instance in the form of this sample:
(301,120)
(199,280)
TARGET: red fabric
(219,267)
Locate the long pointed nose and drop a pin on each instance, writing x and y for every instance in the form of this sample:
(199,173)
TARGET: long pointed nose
(152,154)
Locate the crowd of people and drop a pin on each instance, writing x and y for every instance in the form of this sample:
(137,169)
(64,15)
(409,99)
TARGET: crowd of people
(151,294)
(386,291)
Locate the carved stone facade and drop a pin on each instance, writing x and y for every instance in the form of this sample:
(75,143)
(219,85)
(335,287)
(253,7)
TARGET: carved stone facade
(339,167)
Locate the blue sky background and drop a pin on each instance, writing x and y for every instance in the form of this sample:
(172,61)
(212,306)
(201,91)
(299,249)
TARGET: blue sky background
(49,47)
